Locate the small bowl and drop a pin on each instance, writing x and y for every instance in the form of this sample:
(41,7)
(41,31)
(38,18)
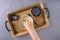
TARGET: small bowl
(22,18)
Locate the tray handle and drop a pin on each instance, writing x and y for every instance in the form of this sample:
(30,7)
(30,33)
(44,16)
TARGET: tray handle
(6,26)
(48,16)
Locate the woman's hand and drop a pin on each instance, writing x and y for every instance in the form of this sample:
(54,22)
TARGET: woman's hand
(30,28)
(28,25)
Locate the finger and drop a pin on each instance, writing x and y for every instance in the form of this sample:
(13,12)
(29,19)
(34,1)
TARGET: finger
(25,22)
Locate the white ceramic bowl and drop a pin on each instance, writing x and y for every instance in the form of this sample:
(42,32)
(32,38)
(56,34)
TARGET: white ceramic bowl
(22,18)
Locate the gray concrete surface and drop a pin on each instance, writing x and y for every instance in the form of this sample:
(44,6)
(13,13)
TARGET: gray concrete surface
(50,33)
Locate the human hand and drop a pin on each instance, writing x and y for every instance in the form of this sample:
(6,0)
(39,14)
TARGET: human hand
(28,25)
(30,28)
